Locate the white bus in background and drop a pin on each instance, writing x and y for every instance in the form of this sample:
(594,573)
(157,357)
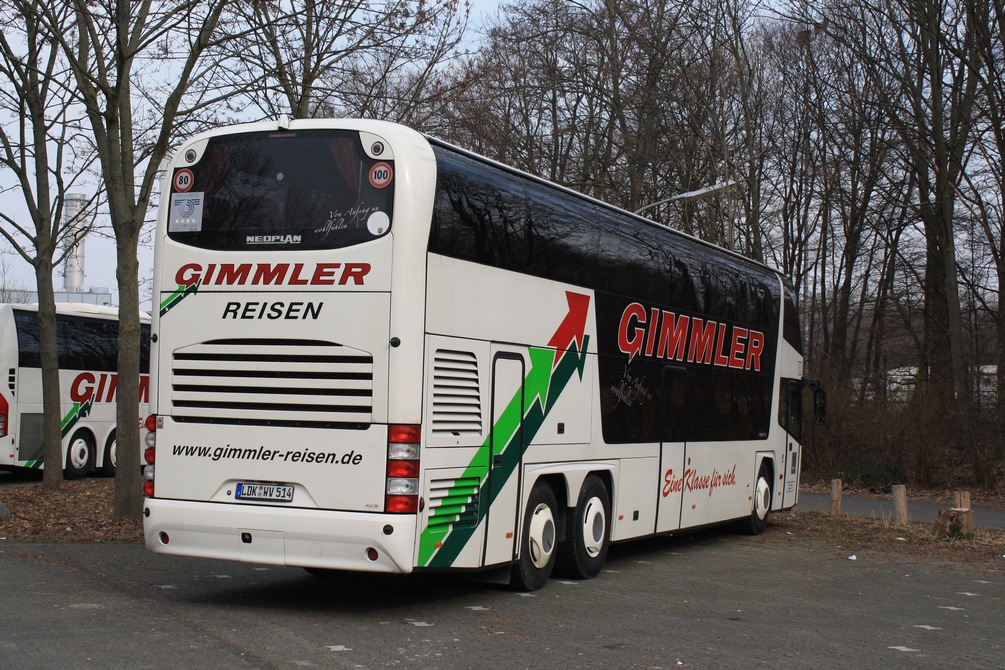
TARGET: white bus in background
(87,348)
(375,351)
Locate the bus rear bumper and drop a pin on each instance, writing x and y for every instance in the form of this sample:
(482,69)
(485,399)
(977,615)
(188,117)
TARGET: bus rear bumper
(280,536)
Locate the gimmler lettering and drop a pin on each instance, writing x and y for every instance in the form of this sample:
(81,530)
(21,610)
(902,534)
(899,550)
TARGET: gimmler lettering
(274,274)
(101,386)
(662,334)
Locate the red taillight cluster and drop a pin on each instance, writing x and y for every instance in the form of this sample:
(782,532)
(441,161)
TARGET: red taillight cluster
(402,491)
(149,455)
(4,409)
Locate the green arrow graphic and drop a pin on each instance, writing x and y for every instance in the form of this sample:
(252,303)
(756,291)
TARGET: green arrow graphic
(550,372)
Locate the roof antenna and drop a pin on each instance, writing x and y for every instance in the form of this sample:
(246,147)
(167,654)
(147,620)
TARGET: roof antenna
(284,121)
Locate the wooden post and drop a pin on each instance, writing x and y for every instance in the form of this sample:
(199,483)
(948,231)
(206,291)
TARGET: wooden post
(955,522)
(900,505)
(835,497)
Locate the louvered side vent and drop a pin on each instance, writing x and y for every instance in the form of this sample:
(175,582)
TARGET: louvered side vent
(457,402)
(12,380)
(272,383)
(453,502)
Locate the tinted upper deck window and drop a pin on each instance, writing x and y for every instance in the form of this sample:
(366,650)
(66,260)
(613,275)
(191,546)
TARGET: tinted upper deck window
(315,189)
(82,343)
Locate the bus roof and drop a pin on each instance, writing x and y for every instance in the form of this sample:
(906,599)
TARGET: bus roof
(78,309)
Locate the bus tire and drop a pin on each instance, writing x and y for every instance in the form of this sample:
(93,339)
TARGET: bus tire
(79,455)
(539,538)
(108,462)
(587,532)
(758,519)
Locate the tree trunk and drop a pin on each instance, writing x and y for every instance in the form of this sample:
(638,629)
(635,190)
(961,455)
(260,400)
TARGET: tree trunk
(52,442)
(128,480)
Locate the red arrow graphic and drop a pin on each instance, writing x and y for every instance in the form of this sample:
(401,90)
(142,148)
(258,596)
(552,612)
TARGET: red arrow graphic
(573,326)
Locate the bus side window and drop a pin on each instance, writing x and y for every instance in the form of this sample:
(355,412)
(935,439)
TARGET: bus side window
(790,408)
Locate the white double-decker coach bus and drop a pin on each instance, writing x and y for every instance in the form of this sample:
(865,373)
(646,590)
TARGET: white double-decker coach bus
(375,351)
(87,347)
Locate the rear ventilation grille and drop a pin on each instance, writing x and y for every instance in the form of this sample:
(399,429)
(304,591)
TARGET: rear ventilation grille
(457,403)
(453,503)
(272,383)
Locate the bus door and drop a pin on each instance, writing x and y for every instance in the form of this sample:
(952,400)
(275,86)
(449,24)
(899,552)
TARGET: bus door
(671,486)
(505,456)
(790,416)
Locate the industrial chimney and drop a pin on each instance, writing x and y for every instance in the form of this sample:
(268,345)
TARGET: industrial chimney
(73,265)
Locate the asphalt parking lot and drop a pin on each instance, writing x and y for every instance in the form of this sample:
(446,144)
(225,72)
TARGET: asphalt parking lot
(713,600)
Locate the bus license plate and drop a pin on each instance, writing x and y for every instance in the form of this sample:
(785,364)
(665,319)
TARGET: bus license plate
(270,492)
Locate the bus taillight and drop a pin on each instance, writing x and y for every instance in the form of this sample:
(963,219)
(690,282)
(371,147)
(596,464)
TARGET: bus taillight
(402,490)
(149,455)
(4,409)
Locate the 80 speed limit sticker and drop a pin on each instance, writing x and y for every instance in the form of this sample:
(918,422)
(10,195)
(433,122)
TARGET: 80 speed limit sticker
(183,180)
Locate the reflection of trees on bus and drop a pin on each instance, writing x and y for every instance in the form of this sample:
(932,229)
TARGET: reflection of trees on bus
(82,343)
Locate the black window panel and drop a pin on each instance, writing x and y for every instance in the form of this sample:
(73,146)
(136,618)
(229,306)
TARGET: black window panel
(562,242)
(488,215)
(82,343)
(312,185)
(790,408)
(627,259)
(480,215)
(28,339)
(144,348)
(643,402)
(87,344)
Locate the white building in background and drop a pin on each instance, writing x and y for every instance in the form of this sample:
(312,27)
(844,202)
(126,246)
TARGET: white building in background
(898,383)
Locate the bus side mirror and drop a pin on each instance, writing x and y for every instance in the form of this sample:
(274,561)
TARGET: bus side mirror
(820,404)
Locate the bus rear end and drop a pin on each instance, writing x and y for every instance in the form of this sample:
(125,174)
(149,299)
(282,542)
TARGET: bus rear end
(8,401)
(275,435)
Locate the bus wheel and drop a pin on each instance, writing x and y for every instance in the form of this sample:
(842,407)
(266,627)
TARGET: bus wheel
(758,519)
(538,539)
(79,455)
(587,532)
(108,464)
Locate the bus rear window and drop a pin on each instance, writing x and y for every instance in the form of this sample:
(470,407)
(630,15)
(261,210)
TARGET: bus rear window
(314,189)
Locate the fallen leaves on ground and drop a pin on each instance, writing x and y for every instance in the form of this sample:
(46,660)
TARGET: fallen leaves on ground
(79,511)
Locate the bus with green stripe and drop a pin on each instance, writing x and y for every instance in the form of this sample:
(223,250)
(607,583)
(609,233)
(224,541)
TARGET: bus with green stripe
(87,352)
(376,351)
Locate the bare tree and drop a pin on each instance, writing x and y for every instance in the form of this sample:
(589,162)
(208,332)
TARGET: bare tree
(311,56)
(44,151)
(922,55)
(523,99)
(406,79)
(11,289)
(987,191)
(140,73)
